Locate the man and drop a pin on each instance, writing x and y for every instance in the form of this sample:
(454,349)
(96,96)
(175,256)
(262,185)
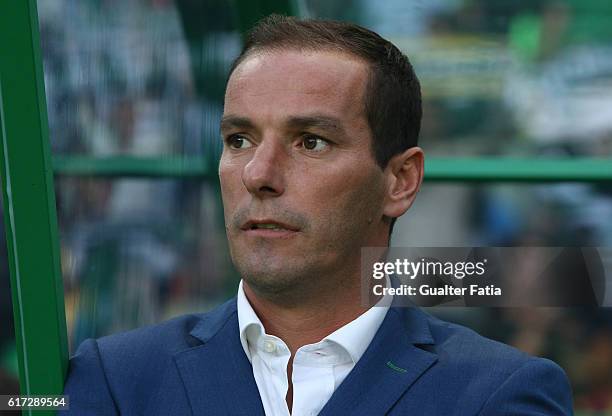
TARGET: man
(320,157)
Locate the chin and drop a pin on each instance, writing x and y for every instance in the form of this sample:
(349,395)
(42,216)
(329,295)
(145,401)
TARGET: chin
(270,285)
(272,279)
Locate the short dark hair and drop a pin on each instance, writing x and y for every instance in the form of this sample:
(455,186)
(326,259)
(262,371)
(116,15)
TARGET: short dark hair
(393,94)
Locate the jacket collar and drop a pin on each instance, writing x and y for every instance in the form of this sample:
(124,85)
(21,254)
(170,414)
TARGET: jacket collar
(218,376)
(392,363)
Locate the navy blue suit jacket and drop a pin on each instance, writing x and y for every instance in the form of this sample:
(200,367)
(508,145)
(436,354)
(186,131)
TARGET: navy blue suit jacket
(415,365)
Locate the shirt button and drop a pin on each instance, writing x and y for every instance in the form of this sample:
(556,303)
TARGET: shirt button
(269,346)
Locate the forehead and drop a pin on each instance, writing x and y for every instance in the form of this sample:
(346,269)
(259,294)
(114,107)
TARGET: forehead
(288,82)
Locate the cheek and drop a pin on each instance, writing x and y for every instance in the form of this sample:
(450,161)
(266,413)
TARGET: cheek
(230,179)
(348,200)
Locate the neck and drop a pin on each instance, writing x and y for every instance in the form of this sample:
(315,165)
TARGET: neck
(309,320)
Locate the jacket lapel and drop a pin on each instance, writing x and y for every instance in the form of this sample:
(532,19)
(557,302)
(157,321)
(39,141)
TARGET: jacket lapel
(390,365)
(217,375)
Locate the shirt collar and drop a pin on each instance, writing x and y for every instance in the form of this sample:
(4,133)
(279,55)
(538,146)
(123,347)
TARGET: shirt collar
(354,337)
(246,318)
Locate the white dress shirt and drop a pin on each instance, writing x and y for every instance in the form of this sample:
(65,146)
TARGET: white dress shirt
(318,369)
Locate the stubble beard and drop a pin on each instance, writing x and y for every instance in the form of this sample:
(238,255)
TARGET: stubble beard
(304,278)
(333,265)
(280,280)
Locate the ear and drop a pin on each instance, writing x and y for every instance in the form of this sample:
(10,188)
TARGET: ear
(404,175)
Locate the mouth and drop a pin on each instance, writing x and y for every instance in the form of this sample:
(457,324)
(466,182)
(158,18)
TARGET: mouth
(268,228)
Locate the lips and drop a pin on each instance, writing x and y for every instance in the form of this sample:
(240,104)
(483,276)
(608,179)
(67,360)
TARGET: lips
(268,225)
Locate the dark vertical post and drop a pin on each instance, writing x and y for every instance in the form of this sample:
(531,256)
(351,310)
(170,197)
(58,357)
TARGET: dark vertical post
(29,204)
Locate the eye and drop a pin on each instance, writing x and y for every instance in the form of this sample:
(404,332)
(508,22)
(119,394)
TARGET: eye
(237,141)
(314,143)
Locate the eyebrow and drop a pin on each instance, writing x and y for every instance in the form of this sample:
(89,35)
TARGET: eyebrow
(229,122)
(319,121)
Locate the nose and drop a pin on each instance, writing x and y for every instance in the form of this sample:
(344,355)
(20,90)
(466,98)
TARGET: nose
(263,174)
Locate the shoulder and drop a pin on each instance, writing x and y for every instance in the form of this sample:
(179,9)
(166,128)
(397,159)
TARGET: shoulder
(466,347)
(467,350)
(507,380)
(165,338)
(133,352)
(124,369)
(121,372)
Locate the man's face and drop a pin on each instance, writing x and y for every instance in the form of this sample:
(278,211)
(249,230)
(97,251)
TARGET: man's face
(300,186)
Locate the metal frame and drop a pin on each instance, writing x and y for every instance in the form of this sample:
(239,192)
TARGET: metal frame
(134,167)
(436,168)
(29,205)
(518,170)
